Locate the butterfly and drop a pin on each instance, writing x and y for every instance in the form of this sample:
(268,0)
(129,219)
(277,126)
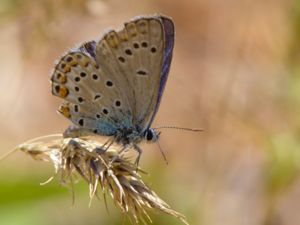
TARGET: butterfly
(114,86)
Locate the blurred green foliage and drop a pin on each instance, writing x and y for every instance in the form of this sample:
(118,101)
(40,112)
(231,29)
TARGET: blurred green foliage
(283,163)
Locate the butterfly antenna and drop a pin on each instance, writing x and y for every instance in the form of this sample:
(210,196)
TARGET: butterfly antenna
(179,128)
(162,152)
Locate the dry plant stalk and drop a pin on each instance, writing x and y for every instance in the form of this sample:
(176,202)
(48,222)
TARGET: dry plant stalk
(106,170)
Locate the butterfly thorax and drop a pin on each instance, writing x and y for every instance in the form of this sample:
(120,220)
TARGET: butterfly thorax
(127,136)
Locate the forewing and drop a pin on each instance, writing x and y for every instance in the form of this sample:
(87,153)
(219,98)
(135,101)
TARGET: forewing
(138,58)
(169,32)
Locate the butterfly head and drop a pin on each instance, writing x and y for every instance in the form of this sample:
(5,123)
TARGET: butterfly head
(151,135)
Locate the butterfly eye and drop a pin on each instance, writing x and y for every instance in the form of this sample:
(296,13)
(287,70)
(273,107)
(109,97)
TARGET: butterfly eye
(149,135)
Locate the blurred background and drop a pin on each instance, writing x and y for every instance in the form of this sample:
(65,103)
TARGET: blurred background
(235,73)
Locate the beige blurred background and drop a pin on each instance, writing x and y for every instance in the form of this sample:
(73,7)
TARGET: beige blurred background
(235,73)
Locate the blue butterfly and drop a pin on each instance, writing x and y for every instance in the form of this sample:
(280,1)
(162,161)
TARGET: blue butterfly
(113,86)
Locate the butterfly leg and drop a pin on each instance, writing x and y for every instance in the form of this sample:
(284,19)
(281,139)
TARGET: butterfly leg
(125,148)
(109,142)
(139,151)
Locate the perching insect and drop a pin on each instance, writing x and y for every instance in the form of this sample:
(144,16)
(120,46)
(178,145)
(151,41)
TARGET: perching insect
(113,87)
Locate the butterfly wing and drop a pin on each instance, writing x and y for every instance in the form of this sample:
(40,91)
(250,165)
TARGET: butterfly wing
(169,32)
(138,57)
(93,102)
(117,82)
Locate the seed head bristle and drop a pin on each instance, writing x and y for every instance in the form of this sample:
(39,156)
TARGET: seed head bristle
(106,171)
